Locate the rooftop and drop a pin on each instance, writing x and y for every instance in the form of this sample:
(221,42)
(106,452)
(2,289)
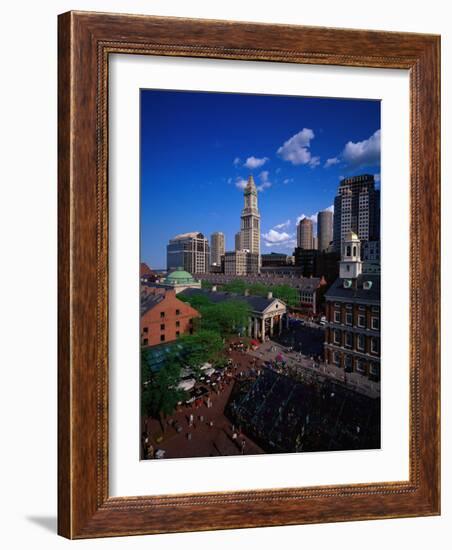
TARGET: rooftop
(149,301)
(257,303)
(356,292)
(191,235)
(179,276)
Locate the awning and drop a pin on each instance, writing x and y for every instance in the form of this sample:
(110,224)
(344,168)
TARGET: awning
(186,384)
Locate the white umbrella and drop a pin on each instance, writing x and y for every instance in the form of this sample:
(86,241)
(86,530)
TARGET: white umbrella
(186,384)
(206,366)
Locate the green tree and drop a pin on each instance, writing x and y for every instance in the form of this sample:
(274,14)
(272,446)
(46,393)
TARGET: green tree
(201,347)
(236,286)
(287,294)
(160,394)
(226,317)
(259,289)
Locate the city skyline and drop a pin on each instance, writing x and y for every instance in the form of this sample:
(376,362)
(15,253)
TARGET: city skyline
(297,163)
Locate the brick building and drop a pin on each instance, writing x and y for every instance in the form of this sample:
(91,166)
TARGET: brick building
(352,338)
(164,318)
(146,274)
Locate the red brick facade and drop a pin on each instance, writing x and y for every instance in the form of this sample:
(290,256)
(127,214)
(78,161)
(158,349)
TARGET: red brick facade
(352,338)
(166,320)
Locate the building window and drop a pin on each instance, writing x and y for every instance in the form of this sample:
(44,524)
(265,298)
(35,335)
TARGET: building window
(336,358)
(375,323)
(162,315)
(337,316)
(145,330)
(374,371)
(361,321)
(360,366)
(177,311)
(177,323)
(145,342)
(361,341)
(177,334)
(348,318)
(348,339)
(162,338)
(348,364)
(375,345)
(162,327)
(336,337)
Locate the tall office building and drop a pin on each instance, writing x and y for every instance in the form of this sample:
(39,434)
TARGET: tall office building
(304,234)
(324,229)
(357,209)
(238,241)
(189,251)
(217,248)
(249,238)
(250,219)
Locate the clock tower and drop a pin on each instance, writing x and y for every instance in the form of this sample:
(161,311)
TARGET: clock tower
(250,220)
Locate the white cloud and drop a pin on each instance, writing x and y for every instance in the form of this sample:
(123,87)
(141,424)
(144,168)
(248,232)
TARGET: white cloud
(287,180)
(297,149)
(265,181)
(253,162)
(315,161)
(289,245)
(377,178)
(236,161)
(240,183)
(313,218)
(363,153)
(331,162)
(282,225)
(274,238)
(330,208)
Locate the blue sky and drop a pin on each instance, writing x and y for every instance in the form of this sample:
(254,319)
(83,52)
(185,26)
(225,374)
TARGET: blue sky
(198,149)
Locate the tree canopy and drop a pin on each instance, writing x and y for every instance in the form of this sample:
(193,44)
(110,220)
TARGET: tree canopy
(160,393)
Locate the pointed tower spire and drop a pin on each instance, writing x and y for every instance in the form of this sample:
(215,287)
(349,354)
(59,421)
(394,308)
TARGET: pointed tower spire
(250,185)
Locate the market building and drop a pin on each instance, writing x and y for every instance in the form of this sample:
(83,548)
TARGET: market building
(353,310)
(164,317)
(268,314)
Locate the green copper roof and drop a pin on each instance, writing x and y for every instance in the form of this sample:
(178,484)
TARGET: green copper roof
(179,276)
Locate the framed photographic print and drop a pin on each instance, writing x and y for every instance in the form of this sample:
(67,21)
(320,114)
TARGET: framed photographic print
(248,275)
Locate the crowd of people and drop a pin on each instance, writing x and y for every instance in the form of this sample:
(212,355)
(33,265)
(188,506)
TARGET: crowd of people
(286,415)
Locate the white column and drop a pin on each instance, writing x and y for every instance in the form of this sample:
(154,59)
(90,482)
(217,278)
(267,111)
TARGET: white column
(255,328)
(271,325)
(250,326)
(280,324)
(263,330)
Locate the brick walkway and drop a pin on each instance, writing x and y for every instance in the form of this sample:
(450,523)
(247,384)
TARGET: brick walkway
(205,440)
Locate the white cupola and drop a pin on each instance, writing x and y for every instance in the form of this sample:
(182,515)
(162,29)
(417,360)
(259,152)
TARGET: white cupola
(350,266)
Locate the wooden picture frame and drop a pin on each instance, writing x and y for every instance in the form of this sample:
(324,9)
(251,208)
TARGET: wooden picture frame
(86,40)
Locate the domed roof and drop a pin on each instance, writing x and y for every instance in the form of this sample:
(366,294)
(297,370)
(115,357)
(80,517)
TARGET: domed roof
(351,236)
(179,276)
